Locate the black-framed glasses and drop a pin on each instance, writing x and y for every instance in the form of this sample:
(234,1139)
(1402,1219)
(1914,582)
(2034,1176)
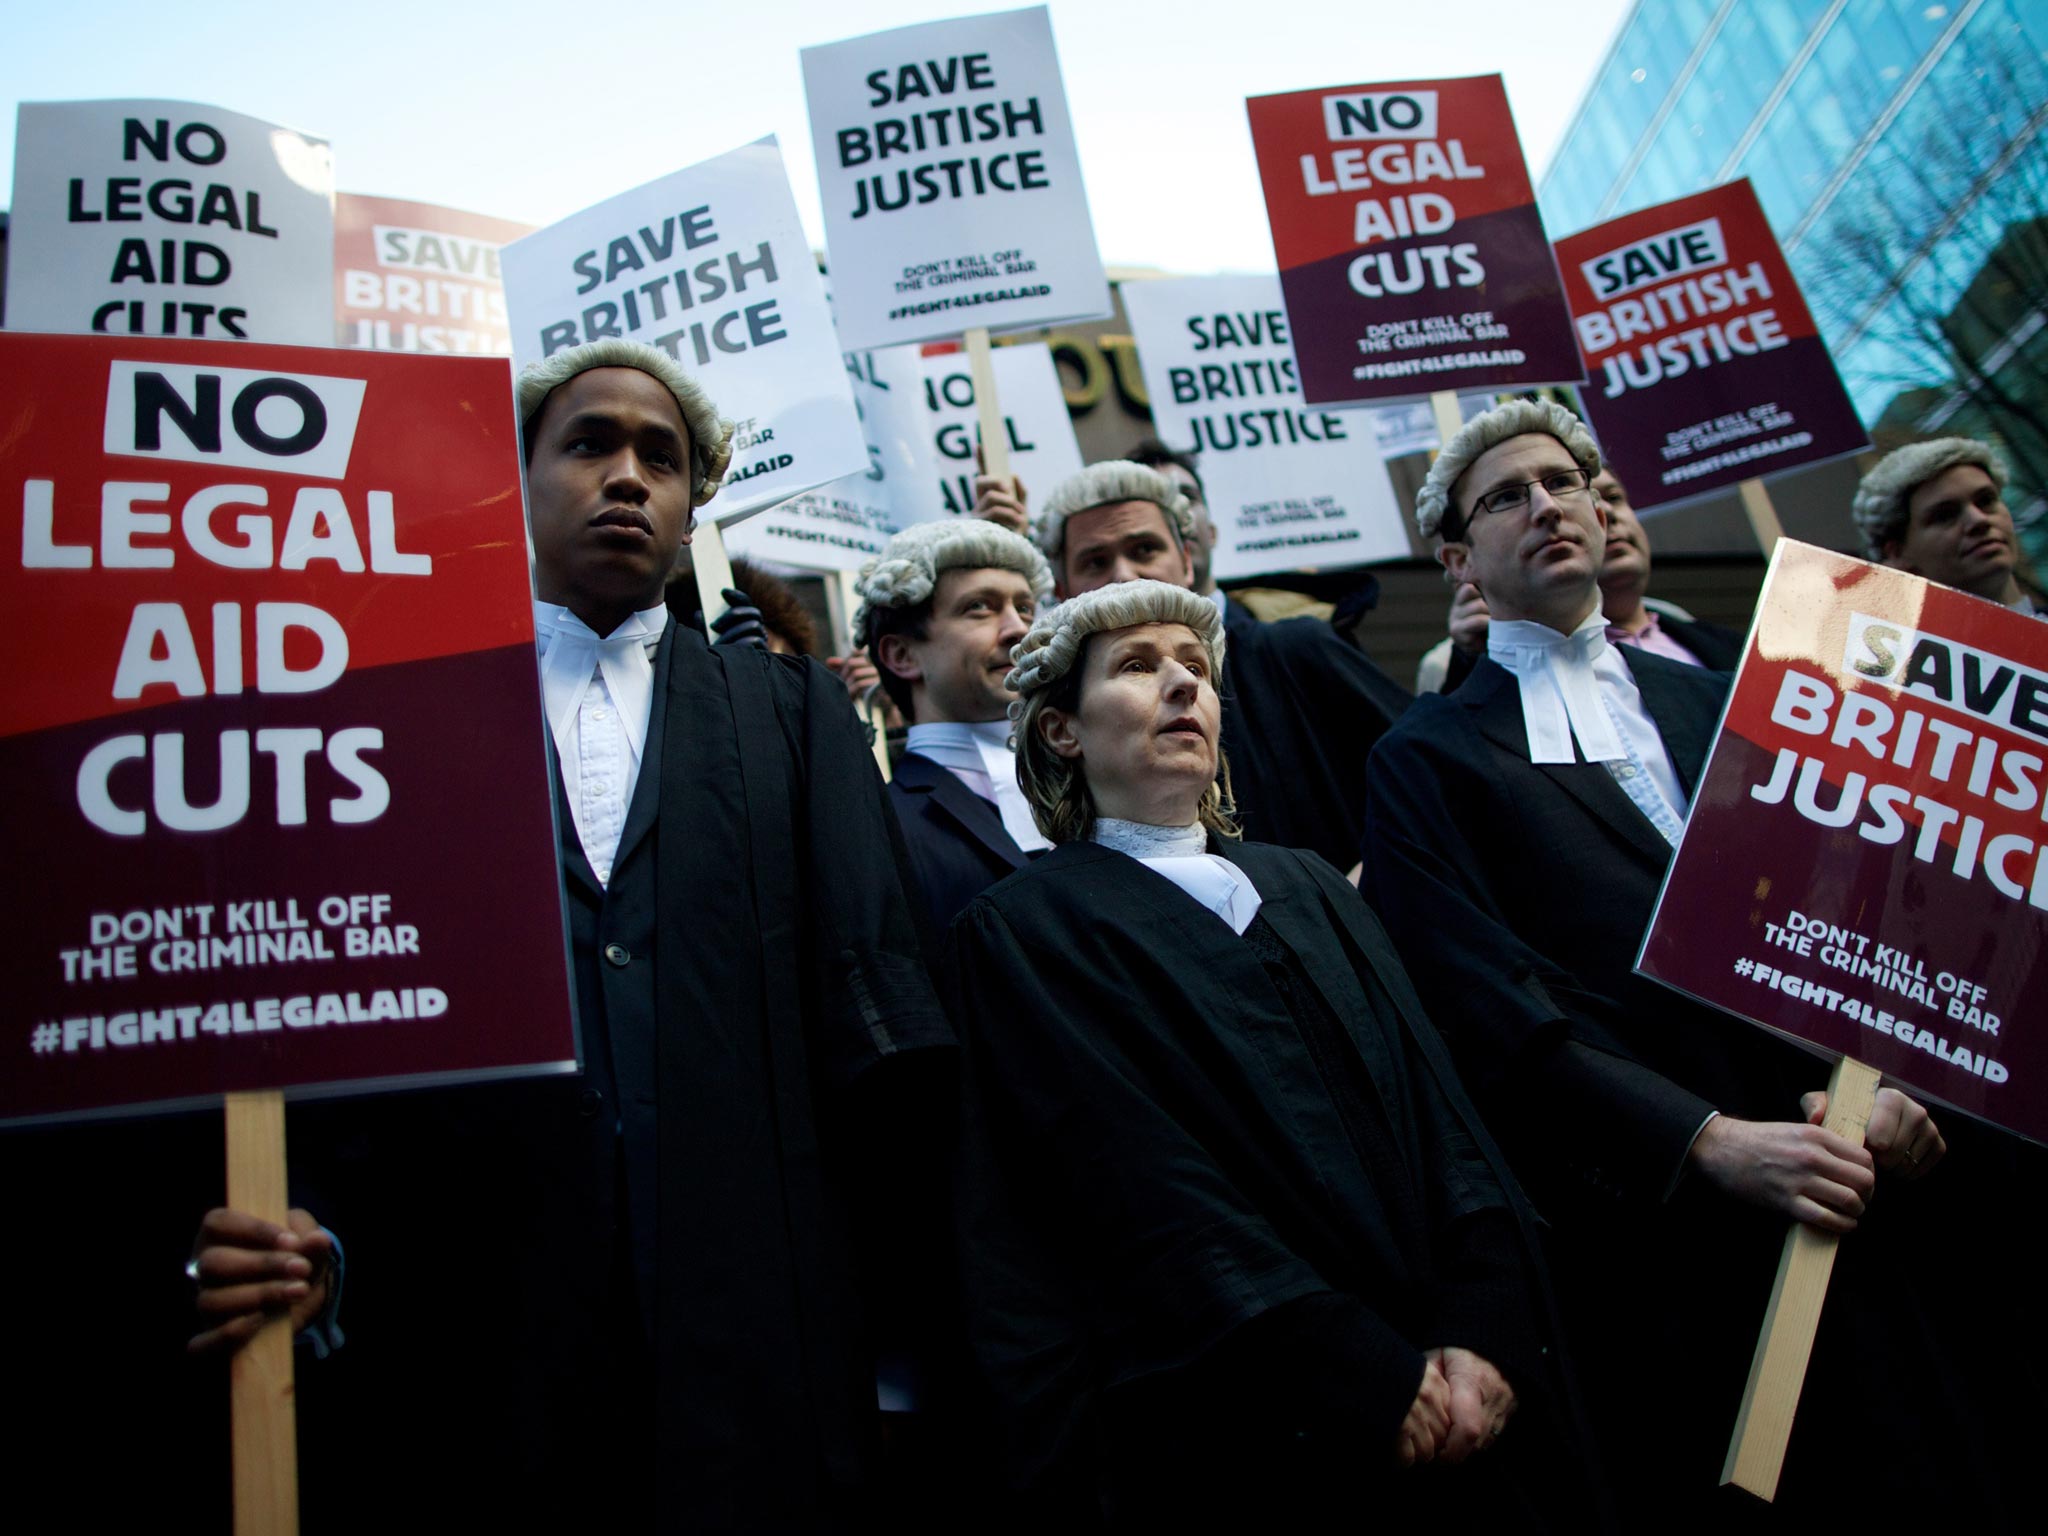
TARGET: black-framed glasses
(1516,498)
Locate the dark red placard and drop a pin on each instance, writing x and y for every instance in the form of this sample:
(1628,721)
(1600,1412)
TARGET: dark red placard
(1412,256)
(260,871)
(417,277)
(1865,869)
(1704,363)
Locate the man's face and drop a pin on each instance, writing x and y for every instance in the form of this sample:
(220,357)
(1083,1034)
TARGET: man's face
(1203,550)
(608,494)
(1122,541)
(1540,561)
(1959,533)
(956,672)
(1626,561)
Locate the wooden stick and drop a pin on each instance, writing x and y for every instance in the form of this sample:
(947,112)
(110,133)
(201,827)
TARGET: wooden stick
(842,601)
(1449,419)
(1763,517)
(988,405)
(1756,1451)
(713,570)
(265,1419)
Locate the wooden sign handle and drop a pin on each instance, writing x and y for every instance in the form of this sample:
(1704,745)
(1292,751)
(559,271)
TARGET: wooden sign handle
(1449,419)
(988,405)
(265,1419)
(713,570)
(1763,517)
(842,601)
(1756,1451)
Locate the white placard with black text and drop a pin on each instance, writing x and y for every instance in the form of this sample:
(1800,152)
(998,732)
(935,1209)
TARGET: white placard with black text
(951,185)
(1289,485)
(710,265)
(168,218)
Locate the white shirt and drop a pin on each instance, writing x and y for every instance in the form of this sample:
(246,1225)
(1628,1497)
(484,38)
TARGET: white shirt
(979,756)
(1181,854)
(599,694)
(1576,689)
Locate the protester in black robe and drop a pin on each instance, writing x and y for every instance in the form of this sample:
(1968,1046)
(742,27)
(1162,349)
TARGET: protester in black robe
(1300,706)
(1235,1245)
(940,609)
(631,1298)
(1665,1140)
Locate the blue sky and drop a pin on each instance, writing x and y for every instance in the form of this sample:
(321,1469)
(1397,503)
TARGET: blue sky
(531,111)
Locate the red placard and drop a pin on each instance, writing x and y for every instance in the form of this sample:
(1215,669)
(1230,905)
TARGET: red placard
(417,277)
(1412,256)
(272,744)
(1706,366)
(1865,869)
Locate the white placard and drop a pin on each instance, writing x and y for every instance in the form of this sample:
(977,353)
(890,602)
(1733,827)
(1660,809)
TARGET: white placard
(168,218)
(1288,485)
(952,189)
(841,526)
(928,452)
(710,265)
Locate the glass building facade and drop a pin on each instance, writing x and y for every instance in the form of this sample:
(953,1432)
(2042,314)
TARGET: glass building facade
(1900,149)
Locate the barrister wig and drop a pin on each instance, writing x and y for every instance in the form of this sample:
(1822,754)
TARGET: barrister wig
(1489,430)
(907,571)
(1047,675)
(1882,495)
(710,433)
(1105,484)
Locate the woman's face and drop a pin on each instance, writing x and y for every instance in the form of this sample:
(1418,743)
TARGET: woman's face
(1145,725)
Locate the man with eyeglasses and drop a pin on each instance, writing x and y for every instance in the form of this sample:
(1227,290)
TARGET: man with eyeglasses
(1517,833)
(1633,617)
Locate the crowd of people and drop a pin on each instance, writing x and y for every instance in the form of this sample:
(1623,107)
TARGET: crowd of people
(1206,1084)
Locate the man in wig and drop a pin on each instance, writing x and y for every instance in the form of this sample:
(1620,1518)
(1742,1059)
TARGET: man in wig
(940,609)
(1301,708)
(1938,509)
(643,1277)
(1517,834)
(1236,1247)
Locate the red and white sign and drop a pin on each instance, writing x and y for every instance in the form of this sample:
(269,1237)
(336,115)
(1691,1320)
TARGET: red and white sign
(416,277)
(1706,366)
(272,745)
(1865,869)
(1411,253)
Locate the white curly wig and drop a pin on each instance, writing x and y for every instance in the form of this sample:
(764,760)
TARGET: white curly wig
(1879,506)
(1489,430)
(1049,651)
(1057,787)
(908,569)
(710,433)
(1101,485)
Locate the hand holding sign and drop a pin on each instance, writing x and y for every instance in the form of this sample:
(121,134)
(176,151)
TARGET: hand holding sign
(1802,1171)
(248,1270)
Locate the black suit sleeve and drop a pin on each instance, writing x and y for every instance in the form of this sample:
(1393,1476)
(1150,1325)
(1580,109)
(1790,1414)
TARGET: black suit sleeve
(876,992)
(1527,1035)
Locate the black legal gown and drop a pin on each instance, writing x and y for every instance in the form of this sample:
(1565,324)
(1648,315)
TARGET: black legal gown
(1217,1196)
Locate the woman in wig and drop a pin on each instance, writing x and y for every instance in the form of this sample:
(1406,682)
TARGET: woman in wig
(1235,1244)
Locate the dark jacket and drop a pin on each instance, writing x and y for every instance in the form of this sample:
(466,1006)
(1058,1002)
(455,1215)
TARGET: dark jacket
(956,840)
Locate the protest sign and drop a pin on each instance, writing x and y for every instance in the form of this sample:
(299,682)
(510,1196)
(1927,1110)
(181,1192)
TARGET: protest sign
(1287,485)
(952,190)
(1706,366)
(932,428)
(1865,869)
(271,725)
(841,526)
(1410,249)
(415,277)
(710,265)
(165,218)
